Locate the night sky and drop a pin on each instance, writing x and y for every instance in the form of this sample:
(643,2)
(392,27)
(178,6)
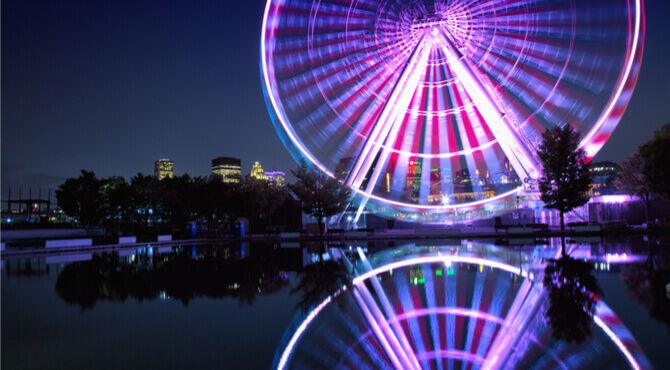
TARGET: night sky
(111,86)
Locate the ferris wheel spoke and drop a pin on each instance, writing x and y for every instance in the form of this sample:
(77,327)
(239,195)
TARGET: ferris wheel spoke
(389,122)
(344,83)
(519,153)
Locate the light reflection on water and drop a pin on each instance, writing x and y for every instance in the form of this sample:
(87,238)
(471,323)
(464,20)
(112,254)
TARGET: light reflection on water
(429,304)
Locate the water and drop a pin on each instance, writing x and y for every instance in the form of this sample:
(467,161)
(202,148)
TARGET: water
(238,306)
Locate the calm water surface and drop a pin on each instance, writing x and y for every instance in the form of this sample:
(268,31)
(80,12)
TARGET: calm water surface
(238,306)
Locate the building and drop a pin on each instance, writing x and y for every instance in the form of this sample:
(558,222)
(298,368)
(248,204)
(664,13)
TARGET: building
(163,168)
(228,169)
(603,175)
(277,178)
(257,172)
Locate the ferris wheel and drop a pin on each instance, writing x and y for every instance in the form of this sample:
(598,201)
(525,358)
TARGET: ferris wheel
(434,109)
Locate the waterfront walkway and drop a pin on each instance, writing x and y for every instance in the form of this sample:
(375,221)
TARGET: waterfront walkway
(513,234)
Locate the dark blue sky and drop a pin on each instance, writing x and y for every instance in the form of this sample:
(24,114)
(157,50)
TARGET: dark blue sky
(110,86)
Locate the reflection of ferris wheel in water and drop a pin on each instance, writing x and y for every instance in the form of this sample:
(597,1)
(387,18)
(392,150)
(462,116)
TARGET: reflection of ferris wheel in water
(447,308)
(434,108)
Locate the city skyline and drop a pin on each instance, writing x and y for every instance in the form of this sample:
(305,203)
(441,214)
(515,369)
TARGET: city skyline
(111,93)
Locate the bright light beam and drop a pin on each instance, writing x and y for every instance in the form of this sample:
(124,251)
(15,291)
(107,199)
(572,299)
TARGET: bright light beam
(521,157)
(389,122)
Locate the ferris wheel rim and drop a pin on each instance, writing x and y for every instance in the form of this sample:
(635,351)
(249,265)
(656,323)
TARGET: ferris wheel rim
(586,143)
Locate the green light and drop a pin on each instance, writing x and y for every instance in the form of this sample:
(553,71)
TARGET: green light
(438,272)
(422,280)
(450,272)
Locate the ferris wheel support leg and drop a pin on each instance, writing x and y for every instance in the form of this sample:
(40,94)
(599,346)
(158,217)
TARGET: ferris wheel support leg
(521,156)
(387,121)
(388,124)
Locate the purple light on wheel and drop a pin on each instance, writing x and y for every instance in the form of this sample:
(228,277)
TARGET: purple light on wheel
(498,323)
(434,110)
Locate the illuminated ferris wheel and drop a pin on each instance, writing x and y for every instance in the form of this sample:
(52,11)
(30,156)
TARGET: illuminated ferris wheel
(434,109)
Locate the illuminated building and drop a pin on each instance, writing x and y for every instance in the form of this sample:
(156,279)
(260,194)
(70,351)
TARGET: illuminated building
(228,169)
(257,172)
(604,173)
(277,178)
(163,168)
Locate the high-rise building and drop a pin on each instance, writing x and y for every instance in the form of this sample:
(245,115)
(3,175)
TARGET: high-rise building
(228,169)
(163,168)
(277,178)
(257,172)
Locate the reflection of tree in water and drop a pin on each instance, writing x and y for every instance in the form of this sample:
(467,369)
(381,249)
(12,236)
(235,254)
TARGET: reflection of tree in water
(646,282)
(178,275)
(573,294)
(319,280)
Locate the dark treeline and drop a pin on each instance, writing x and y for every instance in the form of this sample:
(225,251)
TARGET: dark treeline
(646,172)
(214,273)
(171,202)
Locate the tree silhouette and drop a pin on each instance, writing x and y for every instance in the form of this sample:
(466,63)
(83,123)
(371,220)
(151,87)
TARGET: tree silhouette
(115,200)
(79,198)
(212,274)
(144,197)
(632,180)
(573,294)
(566,179)
(655,156)
(171,201)
(322,196)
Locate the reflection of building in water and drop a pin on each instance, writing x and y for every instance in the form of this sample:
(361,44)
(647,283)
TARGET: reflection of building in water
(26,266)
(257,172)
(163,168)
(228,169)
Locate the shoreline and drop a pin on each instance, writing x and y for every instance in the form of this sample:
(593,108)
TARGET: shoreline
(411,234)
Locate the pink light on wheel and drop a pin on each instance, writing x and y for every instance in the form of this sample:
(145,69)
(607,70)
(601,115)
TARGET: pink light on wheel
(434,110)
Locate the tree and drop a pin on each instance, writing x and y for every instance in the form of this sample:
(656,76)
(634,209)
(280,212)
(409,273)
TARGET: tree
(632,180)
(655,156)
(79,198)
(175,199)
(115,203)
(322,196)
(566,179)
(144,196)
(259,198)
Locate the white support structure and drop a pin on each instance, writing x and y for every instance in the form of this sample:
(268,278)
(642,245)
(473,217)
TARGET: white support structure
(521,156)
(388,124)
